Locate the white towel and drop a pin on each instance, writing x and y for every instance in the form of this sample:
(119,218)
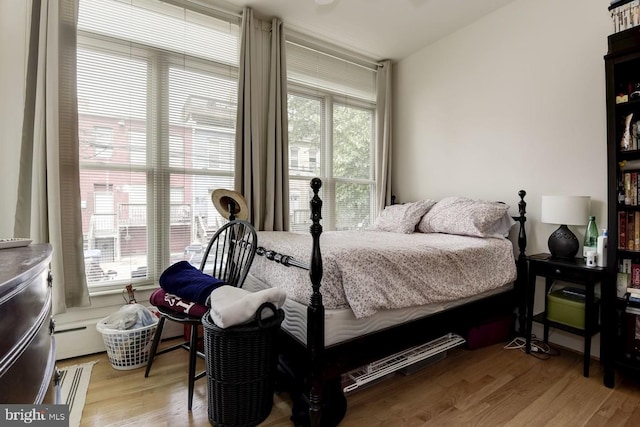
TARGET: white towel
(233,306)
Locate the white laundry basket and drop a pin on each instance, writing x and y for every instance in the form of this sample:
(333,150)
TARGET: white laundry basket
(129,348)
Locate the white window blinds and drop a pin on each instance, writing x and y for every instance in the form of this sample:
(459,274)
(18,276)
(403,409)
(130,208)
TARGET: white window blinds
(331,105)
(157,88)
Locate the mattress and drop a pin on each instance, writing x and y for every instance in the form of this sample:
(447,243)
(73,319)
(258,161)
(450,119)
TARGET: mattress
(342,325)
(371,271)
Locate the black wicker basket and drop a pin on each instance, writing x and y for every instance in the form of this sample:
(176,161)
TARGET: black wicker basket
(241,363)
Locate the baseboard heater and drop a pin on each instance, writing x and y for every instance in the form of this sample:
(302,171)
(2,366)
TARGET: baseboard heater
(81,338)
(397,361)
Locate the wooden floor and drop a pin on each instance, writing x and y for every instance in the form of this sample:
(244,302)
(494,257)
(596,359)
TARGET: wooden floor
(485,387)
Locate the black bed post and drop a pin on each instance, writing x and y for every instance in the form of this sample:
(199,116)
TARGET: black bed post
(522,263)
(315,311)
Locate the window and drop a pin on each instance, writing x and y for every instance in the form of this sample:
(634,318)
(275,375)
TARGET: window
(332,109)
(313,159)
(157,88)
(293,157)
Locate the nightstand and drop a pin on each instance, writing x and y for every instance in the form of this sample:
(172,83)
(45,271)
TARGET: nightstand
(573,271)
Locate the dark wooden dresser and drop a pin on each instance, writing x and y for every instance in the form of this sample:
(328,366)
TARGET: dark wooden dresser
(27,352)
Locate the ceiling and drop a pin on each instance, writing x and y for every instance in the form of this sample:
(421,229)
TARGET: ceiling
(380,29)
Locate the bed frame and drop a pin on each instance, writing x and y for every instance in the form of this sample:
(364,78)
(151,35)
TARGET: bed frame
(314,370)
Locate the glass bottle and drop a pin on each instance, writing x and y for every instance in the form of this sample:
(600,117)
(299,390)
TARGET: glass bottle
(590,237)
(131,294)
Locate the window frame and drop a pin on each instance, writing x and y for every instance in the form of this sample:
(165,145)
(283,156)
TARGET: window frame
(157,167)
(328,100)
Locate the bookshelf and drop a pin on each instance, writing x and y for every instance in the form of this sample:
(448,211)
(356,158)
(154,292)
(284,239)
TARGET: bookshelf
(625,14)
(622,67)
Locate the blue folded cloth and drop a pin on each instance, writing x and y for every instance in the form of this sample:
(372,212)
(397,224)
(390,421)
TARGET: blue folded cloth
(186,281)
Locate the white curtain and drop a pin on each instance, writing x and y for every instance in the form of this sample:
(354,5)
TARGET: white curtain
(48,203)
(262,164)
(383,143)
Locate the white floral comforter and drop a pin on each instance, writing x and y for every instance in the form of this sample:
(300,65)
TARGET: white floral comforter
(373,270)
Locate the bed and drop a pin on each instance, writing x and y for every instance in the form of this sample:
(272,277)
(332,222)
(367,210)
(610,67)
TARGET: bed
(368,300)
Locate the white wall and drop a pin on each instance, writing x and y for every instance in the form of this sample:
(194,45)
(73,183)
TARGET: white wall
(14,16)
(513,101)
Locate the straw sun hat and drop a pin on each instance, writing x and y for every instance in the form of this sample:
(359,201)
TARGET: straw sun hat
(222,198)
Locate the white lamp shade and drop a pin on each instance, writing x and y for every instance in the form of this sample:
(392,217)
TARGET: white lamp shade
(567,210)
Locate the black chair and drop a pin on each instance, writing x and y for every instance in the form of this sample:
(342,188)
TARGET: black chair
(228,257)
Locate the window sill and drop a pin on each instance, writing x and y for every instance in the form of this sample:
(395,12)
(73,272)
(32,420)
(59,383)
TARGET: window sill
(103,303)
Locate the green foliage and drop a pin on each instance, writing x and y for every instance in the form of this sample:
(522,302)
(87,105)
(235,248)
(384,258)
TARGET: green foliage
(305,120)
(352,134)
(352,151)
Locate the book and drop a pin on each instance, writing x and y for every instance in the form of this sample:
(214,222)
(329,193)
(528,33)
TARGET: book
(637,231)
(633,301)
(631,231)
(627,188)
(632,310)
(622,230)
(633,291)
(635,275)
(634,189)
(540,256)
(623,283)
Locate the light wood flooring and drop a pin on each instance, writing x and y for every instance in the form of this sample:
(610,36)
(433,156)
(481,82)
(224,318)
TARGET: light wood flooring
(491,386)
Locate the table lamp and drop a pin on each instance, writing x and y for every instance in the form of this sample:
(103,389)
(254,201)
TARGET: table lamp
(564,210)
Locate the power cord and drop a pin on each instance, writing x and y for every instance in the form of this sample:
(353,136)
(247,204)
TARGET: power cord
(539,349)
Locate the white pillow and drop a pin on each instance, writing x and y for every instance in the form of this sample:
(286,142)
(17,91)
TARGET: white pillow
(402,218)
(467,217)
(503,226)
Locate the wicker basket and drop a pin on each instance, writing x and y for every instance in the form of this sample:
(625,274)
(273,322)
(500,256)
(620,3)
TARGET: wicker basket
(129,348)
(241,364)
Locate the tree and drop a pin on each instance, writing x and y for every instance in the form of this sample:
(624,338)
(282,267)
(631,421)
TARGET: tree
(352,153)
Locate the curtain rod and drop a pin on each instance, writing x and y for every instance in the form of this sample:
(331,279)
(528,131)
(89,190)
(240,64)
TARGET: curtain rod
(292,36)
(369,65)
(360,62)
